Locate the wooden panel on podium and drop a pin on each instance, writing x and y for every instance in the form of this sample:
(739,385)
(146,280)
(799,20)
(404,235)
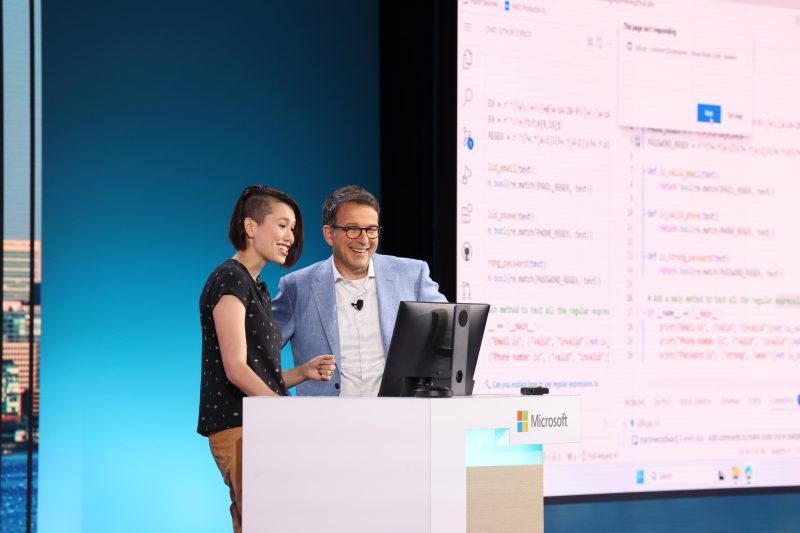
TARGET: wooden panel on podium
(505,499)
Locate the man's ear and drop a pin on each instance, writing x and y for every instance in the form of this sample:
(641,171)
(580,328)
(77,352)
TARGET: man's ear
(327,232)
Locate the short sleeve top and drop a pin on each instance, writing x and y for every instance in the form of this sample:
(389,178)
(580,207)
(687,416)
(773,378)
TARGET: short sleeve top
(221,400)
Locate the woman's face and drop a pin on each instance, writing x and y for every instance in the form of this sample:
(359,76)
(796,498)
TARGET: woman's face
(273,237)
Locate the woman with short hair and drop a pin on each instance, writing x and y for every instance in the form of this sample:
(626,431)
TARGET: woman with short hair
(241,341)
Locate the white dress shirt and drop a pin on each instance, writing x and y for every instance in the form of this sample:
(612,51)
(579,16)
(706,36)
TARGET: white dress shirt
(360,346)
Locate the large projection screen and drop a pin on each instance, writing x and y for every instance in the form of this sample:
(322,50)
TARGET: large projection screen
(628,200)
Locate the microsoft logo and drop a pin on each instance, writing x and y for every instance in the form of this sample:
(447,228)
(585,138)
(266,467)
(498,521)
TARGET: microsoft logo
(539,421)
(522,421)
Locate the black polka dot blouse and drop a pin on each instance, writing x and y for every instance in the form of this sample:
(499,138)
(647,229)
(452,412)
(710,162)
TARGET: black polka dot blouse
(221,400)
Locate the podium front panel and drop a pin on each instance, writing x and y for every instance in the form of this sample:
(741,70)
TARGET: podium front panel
(331,464)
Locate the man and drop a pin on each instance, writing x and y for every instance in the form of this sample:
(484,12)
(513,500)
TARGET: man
(346,305)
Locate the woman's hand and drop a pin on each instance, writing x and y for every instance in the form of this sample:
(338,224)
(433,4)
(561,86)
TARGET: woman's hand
(320,368)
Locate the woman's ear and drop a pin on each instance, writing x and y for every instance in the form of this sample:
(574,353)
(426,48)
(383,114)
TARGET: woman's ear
(249,227)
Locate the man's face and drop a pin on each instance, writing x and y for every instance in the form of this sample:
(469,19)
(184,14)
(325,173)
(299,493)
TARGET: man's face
(352,256)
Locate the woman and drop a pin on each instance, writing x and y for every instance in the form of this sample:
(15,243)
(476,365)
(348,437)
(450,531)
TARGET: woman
(241,342)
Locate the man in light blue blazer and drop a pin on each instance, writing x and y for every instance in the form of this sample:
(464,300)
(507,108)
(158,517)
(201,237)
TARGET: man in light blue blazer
(346,305)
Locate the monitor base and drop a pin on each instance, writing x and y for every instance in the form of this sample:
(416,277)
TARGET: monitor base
(433,391)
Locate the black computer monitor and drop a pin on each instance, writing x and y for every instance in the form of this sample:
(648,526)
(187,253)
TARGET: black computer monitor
(434,349)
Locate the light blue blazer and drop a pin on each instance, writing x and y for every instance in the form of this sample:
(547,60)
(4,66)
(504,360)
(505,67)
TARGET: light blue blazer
(305,309)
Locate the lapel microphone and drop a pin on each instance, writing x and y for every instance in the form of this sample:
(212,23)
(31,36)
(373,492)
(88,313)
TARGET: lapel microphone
(358,304)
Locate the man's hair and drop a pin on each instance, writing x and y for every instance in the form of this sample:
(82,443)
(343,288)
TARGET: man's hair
(350,193)
(256,202)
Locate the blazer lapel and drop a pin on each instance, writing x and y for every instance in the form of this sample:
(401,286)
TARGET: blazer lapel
(325,300)
(388,299)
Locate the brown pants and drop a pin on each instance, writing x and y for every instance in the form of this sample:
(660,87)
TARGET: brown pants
(226,447)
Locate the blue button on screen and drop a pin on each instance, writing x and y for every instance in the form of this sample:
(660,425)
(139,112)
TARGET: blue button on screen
(709,113)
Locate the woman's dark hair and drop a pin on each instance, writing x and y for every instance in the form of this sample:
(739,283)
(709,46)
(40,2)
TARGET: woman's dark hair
(256,202)
(350,193)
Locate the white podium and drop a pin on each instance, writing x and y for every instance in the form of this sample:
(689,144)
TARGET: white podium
(409,465)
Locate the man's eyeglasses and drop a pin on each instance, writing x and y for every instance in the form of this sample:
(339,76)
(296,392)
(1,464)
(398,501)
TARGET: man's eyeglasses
(354,232)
